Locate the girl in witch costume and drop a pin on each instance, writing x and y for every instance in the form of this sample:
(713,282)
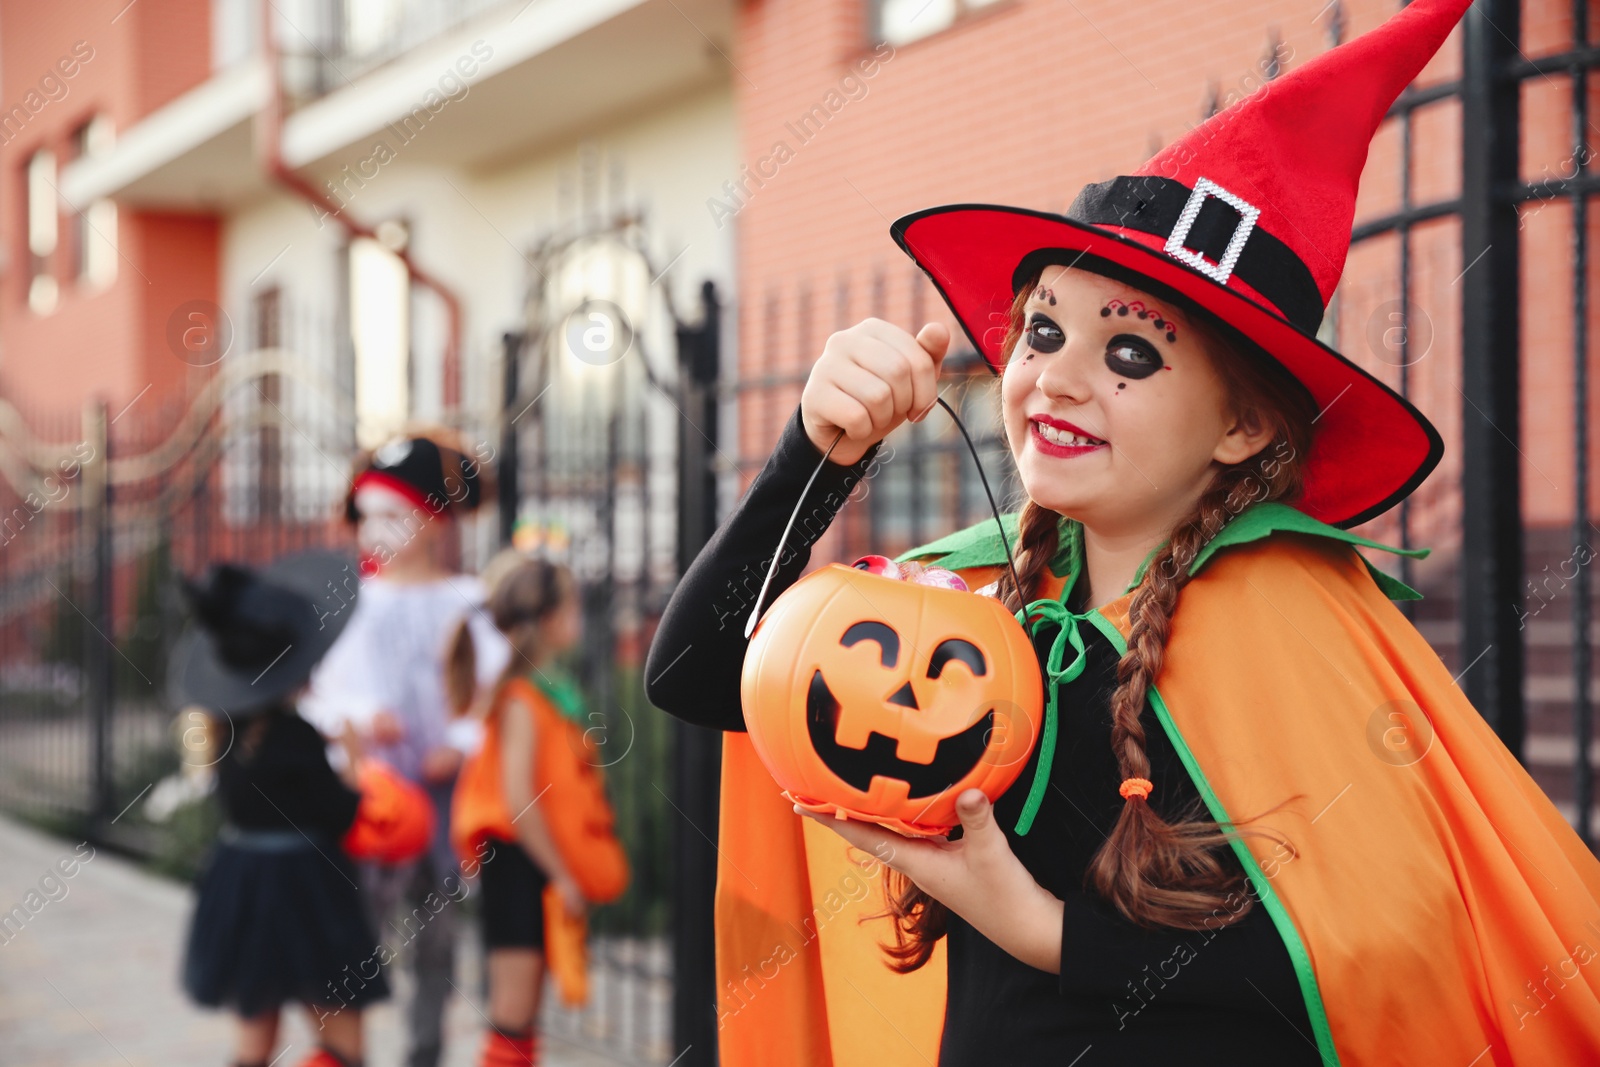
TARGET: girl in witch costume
(278,916)
(1260,823)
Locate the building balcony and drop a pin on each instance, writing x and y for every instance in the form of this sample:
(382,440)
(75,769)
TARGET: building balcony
(460,85)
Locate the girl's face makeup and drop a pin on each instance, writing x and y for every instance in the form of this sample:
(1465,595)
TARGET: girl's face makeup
(390,526)
(1113,408)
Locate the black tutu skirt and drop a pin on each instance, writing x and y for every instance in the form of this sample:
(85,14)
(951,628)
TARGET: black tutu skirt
(280,919)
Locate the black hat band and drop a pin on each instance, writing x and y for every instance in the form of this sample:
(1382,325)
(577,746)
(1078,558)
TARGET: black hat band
(1155,205)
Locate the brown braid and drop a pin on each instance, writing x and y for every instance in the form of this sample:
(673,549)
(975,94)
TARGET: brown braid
(1155,871)
(920,920)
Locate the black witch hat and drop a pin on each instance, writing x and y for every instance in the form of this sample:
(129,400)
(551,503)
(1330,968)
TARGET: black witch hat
(256,635)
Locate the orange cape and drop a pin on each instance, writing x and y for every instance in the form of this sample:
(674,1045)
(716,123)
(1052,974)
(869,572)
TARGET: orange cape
(1437,907)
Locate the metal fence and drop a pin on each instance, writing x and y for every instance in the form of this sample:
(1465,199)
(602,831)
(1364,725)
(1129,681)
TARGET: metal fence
(98,514)
(1511,599)
(606,435)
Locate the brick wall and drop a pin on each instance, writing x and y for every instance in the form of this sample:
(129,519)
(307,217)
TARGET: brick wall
(124,62)
(1027,101)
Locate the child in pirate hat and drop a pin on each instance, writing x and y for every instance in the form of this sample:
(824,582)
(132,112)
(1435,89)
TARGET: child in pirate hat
(383,682)
(278,918)
(1260,824)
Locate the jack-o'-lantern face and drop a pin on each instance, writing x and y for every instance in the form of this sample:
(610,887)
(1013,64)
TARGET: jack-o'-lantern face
(884,700)
(954,754)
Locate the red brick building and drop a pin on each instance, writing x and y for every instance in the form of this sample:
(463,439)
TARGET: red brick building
(86,294)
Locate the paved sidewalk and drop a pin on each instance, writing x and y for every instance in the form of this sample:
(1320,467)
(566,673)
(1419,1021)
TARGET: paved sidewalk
(91,979)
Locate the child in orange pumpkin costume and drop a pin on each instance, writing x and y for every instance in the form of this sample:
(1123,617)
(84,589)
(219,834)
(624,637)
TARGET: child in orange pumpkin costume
(1261,823)
(530,810)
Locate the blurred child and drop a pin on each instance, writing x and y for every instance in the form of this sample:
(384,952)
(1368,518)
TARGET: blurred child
(278,916)
(383,682)
(533,795)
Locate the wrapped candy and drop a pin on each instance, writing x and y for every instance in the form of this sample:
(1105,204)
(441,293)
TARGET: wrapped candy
(938,577)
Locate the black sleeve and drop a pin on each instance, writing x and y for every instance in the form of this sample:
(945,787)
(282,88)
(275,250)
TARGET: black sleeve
(330,802)
(696,657)
(300,786)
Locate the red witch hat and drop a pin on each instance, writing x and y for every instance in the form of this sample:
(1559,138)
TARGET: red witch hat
(1246,219)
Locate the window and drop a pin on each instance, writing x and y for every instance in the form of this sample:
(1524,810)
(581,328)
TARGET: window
(380,302)
(94,230)
(372,25)
(42,287)
(900,21)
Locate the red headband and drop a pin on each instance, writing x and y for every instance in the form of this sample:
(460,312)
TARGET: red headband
(404,488)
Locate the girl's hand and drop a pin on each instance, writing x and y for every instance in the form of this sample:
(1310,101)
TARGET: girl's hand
(978,877)
(869,379)
(441,764)
(386,728)
(350,742)
(572,898)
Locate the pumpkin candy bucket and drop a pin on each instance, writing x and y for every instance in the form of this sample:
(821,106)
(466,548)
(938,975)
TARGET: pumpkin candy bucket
(879,699)
(395,820)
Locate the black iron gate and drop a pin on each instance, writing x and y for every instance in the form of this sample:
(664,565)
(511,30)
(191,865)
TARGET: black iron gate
(608,462)
(1510,662)
(96,516)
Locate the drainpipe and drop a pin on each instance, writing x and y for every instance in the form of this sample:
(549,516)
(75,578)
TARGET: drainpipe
(269,149)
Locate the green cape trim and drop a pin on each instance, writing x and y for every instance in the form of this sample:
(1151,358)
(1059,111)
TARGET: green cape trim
(980,545)
(1258,880)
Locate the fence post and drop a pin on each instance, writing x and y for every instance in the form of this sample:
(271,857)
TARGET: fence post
(506,469)
(697,752)
(1491,535)
(97,653)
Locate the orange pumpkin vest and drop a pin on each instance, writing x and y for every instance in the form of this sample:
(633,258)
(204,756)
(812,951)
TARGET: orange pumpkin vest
(567,784)
(570,790)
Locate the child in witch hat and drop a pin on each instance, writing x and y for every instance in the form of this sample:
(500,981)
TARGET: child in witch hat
(1260,823)
(278,916)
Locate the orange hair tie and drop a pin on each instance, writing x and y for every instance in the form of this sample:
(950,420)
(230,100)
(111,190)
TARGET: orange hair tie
(1132,787)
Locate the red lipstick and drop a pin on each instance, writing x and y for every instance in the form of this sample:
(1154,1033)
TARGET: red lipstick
(1052,448)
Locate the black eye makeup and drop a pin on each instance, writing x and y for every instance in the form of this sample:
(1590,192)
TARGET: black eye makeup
(1043,335)
(1132,356)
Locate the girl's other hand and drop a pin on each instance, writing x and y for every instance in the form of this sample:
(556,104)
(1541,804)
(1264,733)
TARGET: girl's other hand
(386,728)
(571,896)
(350,766)
(977,876)
(441,764)
(869,379)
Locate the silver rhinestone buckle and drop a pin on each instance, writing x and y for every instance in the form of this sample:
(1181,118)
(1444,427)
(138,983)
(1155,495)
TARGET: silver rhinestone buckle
(1222,269)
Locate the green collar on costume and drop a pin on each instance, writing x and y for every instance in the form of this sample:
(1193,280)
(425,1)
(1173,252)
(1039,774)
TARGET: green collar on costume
(561,688)
(980,545)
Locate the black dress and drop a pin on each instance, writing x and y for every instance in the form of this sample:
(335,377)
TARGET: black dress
(1125,995)
(278,915)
